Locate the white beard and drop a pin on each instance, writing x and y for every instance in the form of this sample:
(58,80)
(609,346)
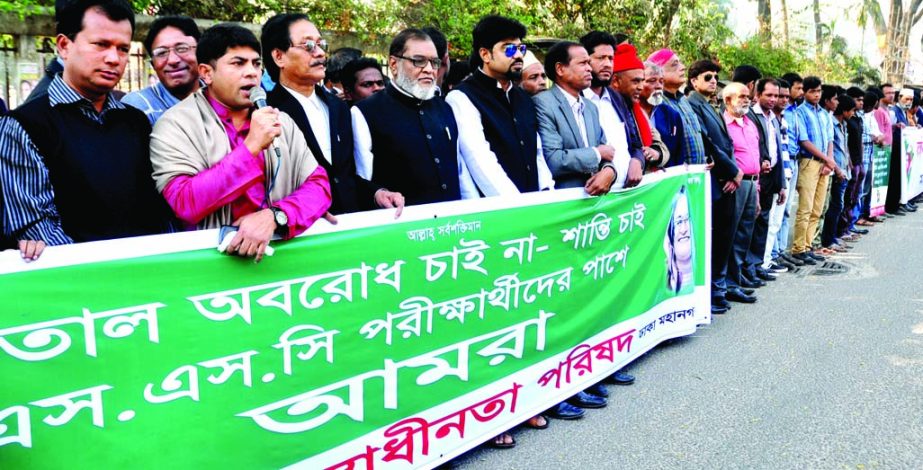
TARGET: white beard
(656,98)
(414,88)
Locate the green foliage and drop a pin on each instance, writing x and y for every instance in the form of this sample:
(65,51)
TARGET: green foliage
(771,61)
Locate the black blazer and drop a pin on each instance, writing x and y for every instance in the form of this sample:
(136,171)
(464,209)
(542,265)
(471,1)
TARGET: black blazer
(774,181)
(715,136)
(351,193)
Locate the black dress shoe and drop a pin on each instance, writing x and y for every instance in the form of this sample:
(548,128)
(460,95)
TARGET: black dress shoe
(718,310)
(745,291)
(805,258)
(720,303)
(598,390)
(565,410)
(748,283)
(585,400)
(791,259)
(736,295)
(815,256)
(764,275)
(621,378)
(909,208)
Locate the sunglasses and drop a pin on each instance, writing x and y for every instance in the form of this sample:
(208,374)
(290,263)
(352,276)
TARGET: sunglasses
(709,77)
(311,44)
(510,49)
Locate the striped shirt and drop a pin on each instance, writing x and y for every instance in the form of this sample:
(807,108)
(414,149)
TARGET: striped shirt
(813,124)
(27,202)
(693,148)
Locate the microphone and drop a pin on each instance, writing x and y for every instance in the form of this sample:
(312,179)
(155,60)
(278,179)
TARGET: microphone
(258,98)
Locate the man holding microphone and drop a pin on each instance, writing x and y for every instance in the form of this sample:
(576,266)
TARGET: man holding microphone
(218,161)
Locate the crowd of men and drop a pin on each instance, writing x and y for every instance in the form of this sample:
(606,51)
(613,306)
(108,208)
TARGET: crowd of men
(789,157)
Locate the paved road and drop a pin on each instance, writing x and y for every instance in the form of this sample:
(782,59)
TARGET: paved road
(825,371)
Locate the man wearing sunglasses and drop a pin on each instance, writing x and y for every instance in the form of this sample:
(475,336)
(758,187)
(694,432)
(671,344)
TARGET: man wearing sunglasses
(295,56)
(406,138)
(498,130)
(171,44)
(726,178)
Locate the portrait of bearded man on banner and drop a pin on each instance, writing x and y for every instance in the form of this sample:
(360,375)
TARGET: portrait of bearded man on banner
(678,246)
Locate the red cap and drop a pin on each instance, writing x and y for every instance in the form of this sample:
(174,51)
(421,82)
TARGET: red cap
(626,58)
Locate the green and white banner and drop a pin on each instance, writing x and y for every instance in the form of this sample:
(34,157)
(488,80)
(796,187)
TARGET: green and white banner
(378,343)
(911,163)
(881,166)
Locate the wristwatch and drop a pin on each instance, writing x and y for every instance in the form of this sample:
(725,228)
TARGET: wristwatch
(281,219)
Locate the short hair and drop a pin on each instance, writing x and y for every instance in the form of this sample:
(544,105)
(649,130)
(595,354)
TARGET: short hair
(855,92)
(746,74)
(70,14)
(276,35)
(828,92)
(593,39)
(783,83)
(886,85)
(183,23)
(701,66)
(621,37)
(216,41)
(338,59)
(348,74)
(871,100)
(439,40)
(490,30)
(399,43)
(811,82)
(558,54)
(792,78)
(761,84)
(458,72)
(846,103)
(734,89)
(652,68)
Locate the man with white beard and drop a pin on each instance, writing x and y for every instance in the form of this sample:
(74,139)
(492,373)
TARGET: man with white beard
(406,139)
(667,121)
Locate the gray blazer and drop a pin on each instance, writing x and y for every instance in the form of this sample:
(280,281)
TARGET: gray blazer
(569,160)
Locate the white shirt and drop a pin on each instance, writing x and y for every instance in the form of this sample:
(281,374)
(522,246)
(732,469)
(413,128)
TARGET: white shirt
(481,161)
(870,123)
(614,129)
(362,140)
(770,119)
(319,117)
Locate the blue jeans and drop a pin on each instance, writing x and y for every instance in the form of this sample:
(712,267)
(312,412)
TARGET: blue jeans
(782,237)
(832,218)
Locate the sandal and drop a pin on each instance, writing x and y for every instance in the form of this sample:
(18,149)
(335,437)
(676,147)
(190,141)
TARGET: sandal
(503,441)
(865,223)
(537,422)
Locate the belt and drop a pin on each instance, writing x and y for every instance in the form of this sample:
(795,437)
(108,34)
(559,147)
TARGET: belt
(751,177)
(812,157)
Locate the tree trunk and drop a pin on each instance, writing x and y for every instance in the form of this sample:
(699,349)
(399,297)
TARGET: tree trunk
(818,34)
(893,52)
(785,23)
(764,15)
(667,26)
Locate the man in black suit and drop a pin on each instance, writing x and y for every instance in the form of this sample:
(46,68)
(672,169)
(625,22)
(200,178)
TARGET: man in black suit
(772,182)
(726,178)
(295,57)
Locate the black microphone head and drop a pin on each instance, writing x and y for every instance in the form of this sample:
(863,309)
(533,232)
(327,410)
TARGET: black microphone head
(258,96)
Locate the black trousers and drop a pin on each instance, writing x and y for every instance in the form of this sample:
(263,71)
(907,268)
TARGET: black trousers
(722,218)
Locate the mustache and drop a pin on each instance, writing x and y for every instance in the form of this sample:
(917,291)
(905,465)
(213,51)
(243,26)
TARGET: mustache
(319,62)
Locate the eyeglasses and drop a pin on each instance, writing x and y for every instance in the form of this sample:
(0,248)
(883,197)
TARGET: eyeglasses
(511,49)
(420,62)
(181,49)
(709,77)
(310,44)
